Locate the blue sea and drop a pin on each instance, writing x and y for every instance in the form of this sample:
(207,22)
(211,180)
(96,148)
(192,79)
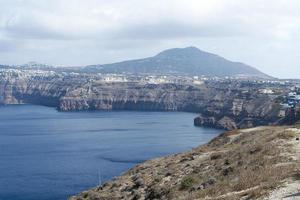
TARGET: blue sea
(50,155)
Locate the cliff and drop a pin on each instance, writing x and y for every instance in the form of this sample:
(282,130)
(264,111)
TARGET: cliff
(221,104)
(228,108)
(257,163)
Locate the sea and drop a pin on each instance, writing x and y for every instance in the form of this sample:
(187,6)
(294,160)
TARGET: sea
(50,155)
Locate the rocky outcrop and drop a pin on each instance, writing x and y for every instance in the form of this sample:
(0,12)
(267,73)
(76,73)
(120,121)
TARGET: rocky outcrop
(223,123)
(241,164)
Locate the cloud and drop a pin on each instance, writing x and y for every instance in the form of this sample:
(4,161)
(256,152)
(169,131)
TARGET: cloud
(7,45)
(75,19)
(99,31)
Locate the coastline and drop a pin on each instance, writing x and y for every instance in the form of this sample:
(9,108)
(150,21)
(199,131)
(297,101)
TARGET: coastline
(222,122)
(224,168)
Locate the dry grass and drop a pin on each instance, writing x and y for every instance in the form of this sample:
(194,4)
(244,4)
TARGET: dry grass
(235,165)
(254,159)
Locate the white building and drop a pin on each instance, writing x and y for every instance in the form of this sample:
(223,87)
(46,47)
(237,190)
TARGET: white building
(266,91)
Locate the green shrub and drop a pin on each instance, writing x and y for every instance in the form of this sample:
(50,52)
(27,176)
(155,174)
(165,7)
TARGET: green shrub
(297,124)
(187,182)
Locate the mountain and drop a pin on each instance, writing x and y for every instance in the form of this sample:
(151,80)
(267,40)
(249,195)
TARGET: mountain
(181,61)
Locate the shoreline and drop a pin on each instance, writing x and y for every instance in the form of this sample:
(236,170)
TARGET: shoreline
(201,171)
(117,110)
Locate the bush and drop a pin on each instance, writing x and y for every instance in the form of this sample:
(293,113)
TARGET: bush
(297,124)
(187,182)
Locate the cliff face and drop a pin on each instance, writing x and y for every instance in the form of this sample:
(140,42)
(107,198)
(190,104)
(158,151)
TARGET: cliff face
(251,111)
(222,108)
(241,164)
(227,105)
(35,90)
(135,96)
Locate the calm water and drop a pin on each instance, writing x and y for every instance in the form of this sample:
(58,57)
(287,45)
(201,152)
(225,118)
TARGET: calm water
(46,155)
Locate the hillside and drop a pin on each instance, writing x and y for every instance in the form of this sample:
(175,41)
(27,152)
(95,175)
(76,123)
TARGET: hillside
(257,163)
(183,61)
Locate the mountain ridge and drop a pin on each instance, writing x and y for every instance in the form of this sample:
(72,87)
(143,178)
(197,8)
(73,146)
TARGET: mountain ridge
(183,61)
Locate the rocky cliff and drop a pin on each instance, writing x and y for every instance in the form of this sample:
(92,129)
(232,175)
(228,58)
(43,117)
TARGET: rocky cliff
(222,104)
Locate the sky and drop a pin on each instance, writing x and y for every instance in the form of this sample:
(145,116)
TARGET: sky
(261,33)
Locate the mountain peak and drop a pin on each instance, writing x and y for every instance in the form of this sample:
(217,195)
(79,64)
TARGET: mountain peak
(175,52)
(192,48)
(182,61)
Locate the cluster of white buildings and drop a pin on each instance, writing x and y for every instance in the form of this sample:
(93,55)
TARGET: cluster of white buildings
(25,73)
(266,91)
(150,79)
(292,99)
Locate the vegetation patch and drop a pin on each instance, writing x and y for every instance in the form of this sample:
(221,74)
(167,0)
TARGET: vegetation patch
(187,182)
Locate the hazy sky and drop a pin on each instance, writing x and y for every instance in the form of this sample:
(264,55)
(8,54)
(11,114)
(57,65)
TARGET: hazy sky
(261,33)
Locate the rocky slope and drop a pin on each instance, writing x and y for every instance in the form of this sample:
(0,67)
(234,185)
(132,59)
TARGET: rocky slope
(257,163)
(222,104)
(183,61)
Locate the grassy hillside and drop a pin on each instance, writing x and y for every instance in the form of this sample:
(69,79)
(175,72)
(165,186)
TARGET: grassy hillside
(242,164)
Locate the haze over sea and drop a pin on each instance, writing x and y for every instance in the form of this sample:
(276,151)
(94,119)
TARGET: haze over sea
(46,154)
